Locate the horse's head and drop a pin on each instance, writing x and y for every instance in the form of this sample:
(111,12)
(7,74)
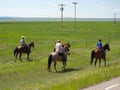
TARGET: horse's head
(31,44)
(106,46)
(66,47)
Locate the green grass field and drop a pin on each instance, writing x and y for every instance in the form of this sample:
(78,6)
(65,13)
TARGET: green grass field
(33,74)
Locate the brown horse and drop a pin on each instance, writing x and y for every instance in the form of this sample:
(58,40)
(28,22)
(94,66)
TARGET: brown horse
(97,54)
(54,56)
(66,47)
(21,49)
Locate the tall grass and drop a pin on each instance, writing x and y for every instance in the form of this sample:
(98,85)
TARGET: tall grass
(78,74)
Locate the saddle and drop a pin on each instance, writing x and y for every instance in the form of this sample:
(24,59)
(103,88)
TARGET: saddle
(97,50)
(60,54)
(26,48)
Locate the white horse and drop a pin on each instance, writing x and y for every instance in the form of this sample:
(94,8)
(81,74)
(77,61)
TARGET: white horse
(54,56)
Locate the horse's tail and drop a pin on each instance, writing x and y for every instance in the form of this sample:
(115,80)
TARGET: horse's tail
(49,61)
(92,56)
(15,51)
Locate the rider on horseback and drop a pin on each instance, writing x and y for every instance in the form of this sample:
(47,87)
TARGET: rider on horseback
(22,40)
(60,50)
(99,46)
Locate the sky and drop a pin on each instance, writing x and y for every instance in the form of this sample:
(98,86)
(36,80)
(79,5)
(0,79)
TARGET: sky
(51,8)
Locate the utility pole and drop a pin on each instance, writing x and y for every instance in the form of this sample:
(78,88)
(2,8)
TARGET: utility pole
(61,9)
(74,15)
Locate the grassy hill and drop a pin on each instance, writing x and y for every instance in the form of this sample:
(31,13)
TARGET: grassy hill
(33,74)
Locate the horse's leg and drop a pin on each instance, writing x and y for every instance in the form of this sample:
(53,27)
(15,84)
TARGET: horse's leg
(64,64)
(99,62)
(16,56)
(55,66)
(95,61)
(27,56)
(20,57)
(104,61)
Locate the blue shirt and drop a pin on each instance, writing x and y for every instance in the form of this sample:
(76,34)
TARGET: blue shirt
(99,45)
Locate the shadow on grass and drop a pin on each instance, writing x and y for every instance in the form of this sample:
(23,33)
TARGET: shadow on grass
(69,70)
(30,60)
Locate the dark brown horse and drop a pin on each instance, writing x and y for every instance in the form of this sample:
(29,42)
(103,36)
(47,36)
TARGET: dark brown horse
(56,57)
(97,54)
(21,49)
